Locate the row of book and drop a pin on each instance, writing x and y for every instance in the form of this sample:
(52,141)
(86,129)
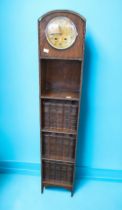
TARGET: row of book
(60,115)
(58,146)
(53,171)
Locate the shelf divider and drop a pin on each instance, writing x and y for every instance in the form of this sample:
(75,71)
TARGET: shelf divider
(59,131)
(57,183)
(71,96)
(58,160)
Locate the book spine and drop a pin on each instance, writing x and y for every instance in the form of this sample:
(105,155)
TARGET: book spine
(66,121)
(74,111)
(46,114)
(59,116)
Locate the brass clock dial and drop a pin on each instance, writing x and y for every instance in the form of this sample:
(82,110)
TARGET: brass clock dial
(61,32)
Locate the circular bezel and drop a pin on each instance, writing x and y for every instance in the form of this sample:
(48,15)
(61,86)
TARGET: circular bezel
(74,27)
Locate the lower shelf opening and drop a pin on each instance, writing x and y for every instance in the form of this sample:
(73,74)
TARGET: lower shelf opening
(59,174)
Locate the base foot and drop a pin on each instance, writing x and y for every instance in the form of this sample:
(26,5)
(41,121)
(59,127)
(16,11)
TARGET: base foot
(72,193)
(42,189)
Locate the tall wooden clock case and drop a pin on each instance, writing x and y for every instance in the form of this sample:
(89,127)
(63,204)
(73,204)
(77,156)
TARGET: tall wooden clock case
(61,35)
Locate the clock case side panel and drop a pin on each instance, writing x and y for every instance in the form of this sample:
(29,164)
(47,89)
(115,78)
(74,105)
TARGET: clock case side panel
(80,98)
(74,52)
(40,110)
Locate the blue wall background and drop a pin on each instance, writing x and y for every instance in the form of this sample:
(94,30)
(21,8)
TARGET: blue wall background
(100,135)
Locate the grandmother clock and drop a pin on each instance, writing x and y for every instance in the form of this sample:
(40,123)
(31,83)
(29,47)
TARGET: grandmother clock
(61,36)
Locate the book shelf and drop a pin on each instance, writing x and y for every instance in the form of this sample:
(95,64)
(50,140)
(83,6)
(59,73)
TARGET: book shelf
(60,81)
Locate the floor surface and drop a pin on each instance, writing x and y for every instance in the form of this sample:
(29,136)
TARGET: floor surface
(22,192)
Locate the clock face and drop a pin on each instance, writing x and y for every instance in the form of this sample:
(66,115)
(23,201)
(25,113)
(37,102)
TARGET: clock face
(61,32)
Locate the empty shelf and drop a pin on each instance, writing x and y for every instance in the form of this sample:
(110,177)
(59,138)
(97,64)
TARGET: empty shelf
(61,95)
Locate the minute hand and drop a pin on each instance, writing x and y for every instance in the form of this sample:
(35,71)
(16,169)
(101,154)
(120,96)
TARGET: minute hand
(55,33)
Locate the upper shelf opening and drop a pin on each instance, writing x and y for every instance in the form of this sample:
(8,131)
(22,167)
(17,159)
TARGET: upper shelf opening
(60,79)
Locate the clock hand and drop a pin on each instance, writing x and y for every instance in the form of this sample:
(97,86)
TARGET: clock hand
(60,29)
(55,33)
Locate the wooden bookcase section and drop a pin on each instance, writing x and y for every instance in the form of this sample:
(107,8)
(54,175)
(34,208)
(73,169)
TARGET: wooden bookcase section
(60,79)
